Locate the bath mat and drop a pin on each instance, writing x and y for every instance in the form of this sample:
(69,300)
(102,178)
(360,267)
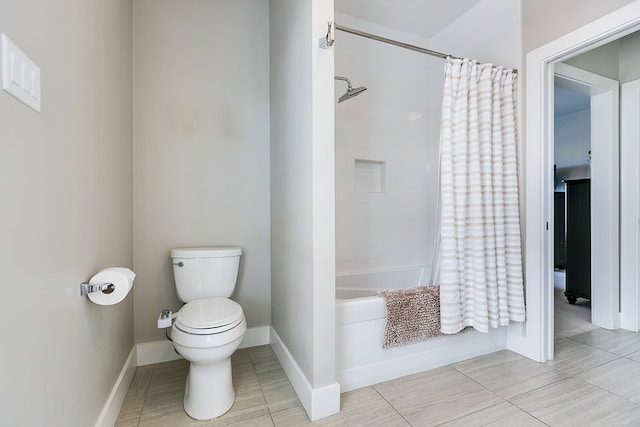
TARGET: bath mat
(413,315)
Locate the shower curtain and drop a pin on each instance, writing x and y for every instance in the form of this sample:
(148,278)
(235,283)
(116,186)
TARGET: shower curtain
(479,261)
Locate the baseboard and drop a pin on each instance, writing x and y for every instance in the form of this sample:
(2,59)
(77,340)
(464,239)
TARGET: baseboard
(319,402)
(255,336)
(153,352)
(111,409)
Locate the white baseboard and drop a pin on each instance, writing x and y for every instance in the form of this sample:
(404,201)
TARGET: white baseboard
(319,402)
(111,409)
(255,336)
(153,352)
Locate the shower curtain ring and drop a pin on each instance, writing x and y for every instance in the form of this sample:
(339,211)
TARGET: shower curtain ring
(327,41)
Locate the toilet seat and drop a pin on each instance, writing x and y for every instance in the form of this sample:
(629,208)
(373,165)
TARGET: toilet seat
(209,316)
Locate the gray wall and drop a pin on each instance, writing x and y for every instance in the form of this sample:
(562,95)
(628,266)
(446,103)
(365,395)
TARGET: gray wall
(546,20)
(66,185)
(201,150)
(291,186)
(629,58)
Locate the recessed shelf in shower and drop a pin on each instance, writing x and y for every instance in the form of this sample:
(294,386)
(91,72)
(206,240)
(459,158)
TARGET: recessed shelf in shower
(369,176)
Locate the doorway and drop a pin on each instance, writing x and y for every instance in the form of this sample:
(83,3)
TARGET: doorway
(586,160)
(538,340)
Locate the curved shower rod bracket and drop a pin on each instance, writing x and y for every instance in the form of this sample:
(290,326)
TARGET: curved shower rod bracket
(327,41)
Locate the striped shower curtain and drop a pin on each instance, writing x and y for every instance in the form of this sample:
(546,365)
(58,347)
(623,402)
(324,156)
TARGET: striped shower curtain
(479,257)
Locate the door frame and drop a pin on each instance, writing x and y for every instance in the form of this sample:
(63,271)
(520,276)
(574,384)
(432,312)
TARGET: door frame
(630,206)
(534,340)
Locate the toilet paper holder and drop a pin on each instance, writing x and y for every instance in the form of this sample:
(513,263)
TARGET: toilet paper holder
(86,288)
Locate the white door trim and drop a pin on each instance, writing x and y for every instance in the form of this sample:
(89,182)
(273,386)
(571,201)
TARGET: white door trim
(630,206)
(533,343)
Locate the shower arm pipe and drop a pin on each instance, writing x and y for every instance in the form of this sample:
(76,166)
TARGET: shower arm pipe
(344,79)
(397,43)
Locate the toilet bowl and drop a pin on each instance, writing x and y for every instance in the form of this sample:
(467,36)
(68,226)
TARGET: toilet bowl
(206,332)
(209,327)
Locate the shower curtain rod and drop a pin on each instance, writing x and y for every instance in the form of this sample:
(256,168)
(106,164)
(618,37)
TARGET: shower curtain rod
(397,43)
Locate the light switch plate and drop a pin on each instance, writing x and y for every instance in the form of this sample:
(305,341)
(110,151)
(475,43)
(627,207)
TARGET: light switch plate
(20,76)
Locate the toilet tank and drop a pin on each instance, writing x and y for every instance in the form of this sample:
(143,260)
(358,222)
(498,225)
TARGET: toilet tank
(205,272)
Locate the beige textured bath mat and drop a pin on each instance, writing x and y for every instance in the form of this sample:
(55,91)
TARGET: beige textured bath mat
(413,315)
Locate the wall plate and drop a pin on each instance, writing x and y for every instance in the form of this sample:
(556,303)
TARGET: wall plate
(20,76)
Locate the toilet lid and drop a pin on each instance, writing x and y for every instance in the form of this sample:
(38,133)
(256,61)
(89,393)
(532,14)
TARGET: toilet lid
(210,313)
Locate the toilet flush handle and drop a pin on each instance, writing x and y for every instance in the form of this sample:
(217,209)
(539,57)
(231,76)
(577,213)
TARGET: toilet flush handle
(179,264)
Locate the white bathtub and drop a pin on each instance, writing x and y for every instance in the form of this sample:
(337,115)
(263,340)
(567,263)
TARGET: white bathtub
(360,319)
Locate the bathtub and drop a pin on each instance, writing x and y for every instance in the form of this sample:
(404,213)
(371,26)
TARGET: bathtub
(360,319)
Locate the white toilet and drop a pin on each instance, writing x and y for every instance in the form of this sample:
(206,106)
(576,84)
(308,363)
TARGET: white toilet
(209,327)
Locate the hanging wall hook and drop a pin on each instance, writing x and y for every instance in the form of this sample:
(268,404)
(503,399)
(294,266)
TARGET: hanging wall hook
(327,41)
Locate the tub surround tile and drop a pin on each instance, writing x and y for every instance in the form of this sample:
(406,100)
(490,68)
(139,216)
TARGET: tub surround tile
(502,414)
(436,396)
(573,402)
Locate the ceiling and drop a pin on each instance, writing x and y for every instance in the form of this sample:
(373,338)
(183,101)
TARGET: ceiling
(566,101)
(424,18)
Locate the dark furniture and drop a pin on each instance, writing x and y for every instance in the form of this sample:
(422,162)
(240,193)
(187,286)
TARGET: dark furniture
(578,239)
(559,253)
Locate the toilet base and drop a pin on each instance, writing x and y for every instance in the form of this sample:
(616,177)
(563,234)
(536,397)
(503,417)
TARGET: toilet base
(209,390)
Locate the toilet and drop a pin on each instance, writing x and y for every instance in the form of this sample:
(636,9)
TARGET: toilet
(209,328)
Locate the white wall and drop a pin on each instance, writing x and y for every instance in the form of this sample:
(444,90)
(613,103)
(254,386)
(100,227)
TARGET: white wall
(302,200)
(66,185)
(389,223)
(573,135)
(396,122)
(201,147)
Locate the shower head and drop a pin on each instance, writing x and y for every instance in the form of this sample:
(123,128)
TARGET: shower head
(351,92)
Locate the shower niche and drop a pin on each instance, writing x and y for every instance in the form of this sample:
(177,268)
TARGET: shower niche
(369,176)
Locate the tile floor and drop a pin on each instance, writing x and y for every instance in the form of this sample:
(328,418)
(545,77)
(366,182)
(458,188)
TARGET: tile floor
(594,380)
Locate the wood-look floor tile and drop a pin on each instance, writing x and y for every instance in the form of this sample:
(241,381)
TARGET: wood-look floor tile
(131,410)
(619,341)
(436,396)
(140,381)
(293,416)
(358,408)
(570,319)
(620,377)
(574,402)
(168,414)
(127,423)
(261,421)
(634,356)
(261,355)
(508,374)
(502,414)
(572,357)
(243,416)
